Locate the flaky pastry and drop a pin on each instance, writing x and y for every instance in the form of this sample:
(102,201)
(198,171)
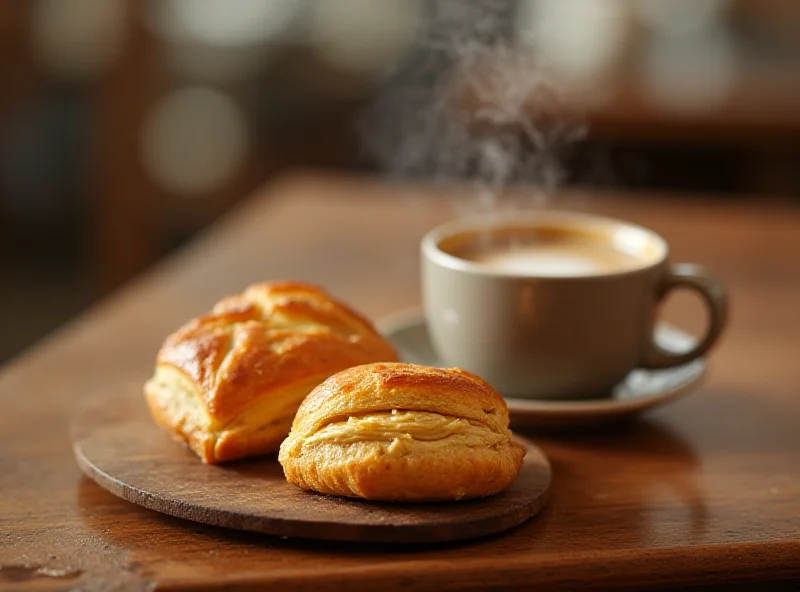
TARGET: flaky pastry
(229,383)
(402,432)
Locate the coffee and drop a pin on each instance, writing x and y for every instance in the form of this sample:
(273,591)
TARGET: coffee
(554,305)
(548,251)
(562,260)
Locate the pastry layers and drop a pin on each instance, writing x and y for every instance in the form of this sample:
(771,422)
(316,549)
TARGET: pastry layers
(401,432)
(229,383)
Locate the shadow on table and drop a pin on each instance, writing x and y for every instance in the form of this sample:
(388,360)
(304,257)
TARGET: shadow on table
(626,483)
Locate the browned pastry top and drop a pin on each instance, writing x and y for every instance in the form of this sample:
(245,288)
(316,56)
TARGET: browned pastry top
(393,385)
(271,335)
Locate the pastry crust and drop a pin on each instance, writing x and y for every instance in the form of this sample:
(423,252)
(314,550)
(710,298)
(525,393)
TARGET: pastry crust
(402,432)
(229,383)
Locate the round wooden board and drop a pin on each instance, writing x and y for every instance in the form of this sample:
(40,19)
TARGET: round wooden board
(118,446)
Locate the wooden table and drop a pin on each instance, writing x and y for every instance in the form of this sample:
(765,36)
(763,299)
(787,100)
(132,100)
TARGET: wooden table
(705,490)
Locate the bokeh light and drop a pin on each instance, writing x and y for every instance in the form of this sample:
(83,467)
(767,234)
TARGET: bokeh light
(77,38)
(582,40)
(362,36)
(694,75)
(224,24)
(680,17)
(194,140)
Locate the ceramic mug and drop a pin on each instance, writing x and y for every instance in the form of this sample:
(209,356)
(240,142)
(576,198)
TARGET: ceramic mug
(555,305)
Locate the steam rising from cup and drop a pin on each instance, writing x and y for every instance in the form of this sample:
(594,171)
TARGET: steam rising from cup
(471,106)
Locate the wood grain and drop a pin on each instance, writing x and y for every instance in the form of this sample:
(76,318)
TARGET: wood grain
(117,445)
(706,490)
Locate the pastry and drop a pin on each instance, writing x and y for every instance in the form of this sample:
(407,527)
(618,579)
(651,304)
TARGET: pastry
(401,432)
(230,382)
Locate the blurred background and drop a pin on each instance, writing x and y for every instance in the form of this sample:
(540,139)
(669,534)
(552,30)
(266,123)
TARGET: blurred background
(127,126)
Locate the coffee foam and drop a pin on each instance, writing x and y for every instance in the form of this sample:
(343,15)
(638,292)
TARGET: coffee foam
(547,261)
(549,251)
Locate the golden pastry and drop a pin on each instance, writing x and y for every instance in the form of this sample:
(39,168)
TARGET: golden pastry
(229,383)
(401,432)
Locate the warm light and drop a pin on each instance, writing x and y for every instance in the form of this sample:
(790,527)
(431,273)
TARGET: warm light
(79,37)
(220,23)
(582,39)
(194,140)
(680,17)
(694,74)
(363,35)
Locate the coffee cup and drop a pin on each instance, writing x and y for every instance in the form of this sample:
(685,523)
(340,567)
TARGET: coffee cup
(555,305)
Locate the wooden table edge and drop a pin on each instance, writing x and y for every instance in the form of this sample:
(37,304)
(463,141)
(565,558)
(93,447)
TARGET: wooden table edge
(696,568)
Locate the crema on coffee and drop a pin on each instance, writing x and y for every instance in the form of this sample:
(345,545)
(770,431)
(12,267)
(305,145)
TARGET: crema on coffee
(547,251)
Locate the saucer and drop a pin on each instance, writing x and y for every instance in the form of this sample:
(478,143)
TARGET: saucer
(641,390)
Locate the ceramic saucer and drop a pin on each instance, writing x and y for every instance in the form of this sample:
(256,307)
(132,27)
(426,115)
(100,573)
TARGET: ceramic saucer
(641,390)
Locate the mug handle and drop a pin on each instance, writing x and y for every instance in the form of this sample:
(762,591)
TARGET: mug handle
(699,279)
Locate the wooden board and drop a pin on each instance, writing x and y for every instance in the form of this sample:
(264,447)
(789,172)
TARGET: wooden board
(117,445)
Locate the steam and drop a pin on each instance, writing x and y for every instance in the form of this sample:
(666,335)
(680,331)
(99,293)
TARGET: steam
(471,106)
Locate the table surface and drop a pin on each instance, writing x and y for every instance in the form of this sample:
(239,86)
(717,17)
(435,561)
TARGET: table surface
(704,490)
